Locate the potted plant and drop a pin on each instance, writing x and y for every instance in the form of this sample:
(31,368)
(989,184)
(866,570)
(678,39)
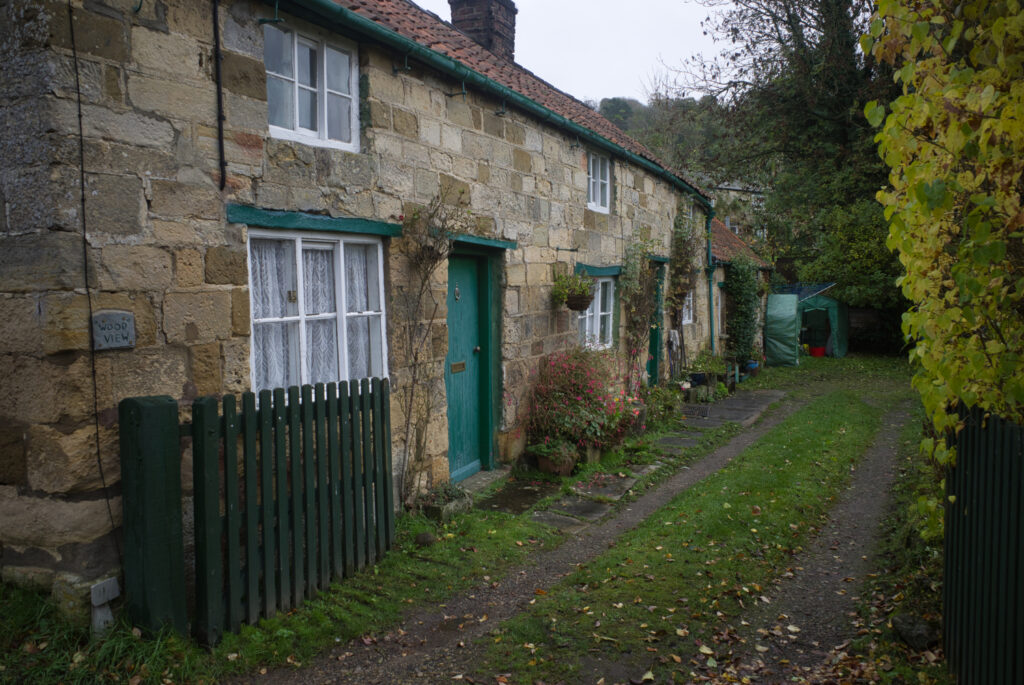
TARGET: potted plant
(574,290)
(557,457)
(704,366)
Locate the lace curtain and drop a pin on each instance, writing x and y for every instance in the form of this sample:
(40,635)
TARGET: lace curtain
(274,344)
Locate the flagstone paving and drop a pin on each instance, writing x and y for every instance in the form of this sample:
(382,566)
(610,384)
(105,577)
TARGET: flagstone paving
(593,499)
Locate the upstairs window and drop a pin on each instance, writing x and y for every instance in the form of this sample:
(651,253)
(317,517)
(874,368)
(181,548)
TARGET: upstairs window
(596,322)
(598,182)
(312,89)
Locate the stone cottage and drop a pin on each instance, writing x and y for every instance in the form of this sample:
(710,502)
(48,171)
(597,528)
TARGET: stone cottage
(209,197)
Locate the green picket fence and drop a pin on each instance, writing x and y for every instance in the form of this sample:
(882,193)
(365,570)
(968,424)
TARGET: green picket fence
(983,590)
(290,493)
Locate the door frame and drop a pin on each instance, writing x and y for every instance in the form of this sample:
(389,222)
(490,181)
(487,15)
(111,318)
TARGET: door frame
(489,304)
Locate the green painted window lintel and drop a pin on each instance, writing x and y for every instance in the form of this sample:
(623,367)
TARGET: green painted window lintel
(597,271)
(658,258)
(484,242)
(274,218)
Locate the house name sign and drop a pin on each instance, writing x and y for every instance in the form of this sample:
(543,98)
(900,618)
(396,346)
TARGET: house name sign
(113,329)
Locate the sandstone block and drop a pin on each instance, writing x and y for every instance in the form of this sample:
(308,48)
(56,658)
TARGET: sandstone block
(244,75)
(50,260)
(172,199)
(152,371)
(172,98)
(95,34)
(515,133)
(171,54)
(23,322)
(206,368)
(493,125)
(188,268)
(48,523)
(380,115)
(454,191)
(226,266)
(237,378)
(240,316)
(114,204)
(197,317)
(65,323)
(134,128)
(405,123)
(451,138)
(135,267)
(66,463)
(521,160)
(459,113)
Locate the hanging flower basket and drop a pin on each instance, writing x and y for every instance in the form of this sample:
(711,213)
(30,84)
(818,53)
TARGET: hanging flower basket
(579,302)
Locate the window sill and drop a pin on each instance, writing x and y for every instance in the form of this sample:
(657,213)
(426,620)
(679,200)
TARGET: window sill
(279,133)
(597,208)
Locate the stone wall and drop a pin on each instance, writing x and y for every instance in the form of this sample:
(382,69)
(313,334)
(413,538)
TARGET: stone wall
(153,238)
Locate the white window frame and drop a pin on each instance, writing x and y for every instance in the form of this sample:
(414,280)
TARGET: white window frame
(342,315)
(687,313)
(590,320)
(319,137)
(599,174)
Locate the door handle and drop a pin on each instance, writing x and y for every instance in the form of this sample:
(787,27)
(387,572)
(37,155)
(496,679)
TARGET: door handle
(476,349)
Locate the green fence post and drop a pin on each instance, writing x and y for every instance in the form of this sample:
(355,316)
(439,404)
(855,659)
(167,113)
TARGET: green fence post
(206,432)
(154,551)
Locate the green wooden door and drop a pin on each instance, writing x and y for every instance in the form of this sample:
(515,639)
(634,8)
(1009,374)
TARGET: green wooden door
(657,324)
(463,373)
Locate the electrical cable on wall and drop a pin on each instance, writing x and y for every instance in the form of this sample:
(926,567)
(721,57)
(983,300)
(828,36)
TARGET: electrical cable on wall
(88,293)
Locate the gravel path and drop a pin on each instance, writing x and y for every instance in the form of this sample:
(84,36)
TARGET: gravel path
(436,645)
(433,646)
(820,596)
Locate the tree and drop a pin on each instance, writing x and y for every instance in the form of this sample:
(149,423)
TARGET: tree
(789,88)
(954,140)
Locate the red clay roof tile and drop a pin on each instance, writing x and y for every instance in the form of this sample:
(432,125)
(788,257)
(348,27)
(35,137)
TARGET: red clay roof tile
(726,245)
(429,30)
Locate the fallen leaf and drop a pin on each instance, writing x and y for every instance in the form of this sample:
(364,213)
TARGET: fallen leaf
(704,649)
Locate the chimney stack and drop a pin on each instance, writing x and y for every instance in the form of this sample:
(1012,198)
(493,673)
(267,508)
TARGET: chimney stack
(491,23)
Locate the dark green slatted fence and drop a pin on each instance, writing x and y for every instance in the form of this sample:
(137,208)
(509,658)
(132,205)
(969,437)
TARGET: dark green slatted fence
(983,592)
(288,497)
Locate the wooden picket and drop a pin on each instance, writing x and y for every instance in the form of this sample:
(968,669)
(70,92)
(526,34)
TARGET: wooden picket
(291,493)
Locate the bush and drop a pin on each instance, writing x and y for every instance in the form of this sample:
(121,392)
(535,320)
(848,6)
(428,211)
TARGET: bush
(573,401)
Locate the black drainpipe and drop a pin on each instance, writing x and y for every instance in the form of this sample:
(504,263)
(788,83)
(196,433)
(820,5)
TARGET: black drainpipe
(220,94)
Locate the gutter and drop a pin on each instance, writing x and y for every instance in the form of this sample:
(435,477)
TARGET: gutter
(327,9)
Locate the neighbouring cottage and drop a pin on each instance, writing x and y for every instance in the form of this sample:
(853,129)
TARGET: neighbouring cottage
(207,198)
(727,246)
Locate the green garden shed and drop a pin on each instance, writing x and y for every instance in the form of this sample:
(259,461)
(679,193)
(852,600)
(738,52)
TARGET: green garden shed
(825,322)
(802,314)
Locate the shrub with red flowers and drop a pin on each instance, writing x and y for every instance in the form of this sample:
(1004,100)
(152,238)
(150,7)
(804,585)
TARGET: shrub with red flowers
(573,401)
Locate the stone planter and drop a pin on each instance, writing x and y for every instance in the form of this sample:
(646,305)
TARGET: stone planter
(443,512)
(590,454)
(555,468)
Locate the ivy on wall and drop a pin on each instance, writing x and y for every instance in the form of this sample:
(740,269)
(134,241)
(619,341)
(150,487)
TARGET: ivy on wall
(742,307)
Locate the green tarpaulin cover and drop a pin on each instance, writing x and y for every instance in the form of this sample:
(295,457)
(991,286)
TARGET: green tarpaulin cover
(782,331)
(827,322)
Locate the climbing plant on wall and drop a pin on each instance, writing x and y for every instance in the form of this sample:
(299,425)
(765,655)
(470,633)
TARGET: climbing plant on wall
(424,246)
(638,292)
(742,307)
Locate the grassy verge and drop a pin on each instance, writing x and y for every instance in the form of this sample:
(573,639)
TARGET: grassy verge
(665,597)
(37,645)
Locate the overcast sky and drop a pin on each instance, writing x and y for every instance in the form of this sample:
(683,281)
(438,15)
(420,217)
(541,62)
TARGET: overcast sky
(594,49)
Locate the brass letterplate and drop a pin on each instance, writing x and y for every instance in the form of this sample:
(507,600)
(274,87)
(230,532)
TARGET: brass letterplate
(458,367)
